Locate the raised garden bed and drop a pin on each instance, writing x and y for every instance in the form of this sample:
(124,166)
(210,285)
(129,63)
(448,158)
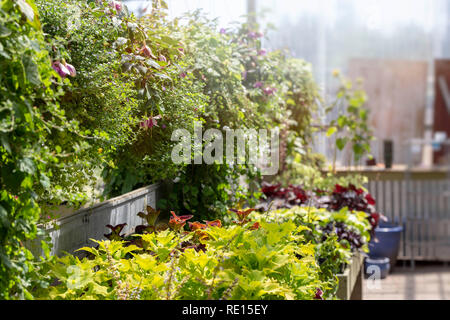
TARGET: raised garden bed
(350,281)
(73,230)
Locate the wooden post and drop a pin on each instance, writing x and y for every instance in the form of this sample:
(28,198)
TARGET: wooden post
(251,13)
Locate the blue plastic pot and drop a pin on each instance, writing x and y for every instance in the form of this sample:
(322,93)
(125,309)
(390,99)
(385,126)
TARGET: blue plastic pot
(388,245)
(377,267)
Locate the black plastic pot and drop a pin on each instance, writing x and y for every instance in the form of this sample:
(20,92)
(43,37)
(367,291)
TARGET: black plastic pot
(388,153)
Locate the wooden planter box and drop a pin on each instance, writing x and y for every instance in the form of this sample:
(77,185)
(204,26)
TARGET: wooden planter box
(74,229)
(351,280)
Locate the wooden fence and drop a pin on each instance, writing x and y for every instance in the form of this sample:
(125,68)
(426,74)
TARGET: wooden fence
(419,200)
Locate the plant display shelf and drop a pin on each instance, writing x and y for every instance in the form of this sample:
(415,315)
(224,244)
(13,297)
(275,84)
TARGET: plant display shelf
(350,281)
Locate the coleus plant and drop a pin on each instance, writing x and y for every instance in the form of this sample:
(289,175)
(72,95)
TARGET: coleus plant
(115,232)
(355,199)
(194,226)
(344,234)
(239,264)
(242,216)
(151,216)
(176,223)
(199,235)
(278,197)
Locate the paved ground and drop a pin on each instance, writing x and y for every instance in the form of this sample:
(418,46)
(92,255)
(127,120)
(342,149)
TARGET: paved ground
(427,282)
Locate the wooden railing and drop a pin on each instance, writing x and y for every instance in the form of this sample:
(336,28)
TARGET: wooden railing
(419,200)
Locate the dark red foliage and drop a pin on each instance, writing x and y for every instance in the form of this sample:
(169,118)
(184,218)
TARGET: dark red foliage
(115,232)
(242,214)
(279,197)
(270,189)
(215,223)
(343,233)
(191,245)
(355,199)
(196,226)
(141,229)
(319,294)
(352,198)
(374,219)
(370,200)
(255,226)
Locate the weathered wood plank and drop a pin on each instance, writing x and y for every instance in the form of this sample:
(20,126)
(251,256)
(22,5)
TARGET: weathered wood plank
(76,229)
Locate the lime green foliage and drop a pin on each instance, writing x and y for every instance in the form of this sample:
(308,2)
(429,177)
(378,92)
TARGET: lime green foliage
(30,152)
(320,217)
(238,263)
(332,253)
(283,254)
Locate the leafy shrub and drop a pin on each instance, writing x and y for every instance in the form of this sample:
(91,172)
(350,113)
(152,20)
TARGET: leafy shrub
(247,88)
(350,127)
(96,95)
(30,118)
(127,93)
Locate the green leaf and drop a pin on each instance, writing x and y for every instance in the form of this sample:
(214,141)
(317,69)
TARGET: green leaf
(4,31)
(100,290)
(331,131)
(4,217)
(340,143)
(45,181)
(153,63)
(26,9)
(31,70)
(29,9)
(88,249)
(342,120)
(163,76)
(5,260)
(358,149)
(363,114)
(5,142)
(290,102)
(27,165)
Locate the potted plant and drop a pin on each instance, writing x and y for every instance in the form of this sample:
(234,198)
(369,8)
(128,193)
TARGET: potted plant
(386,242)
